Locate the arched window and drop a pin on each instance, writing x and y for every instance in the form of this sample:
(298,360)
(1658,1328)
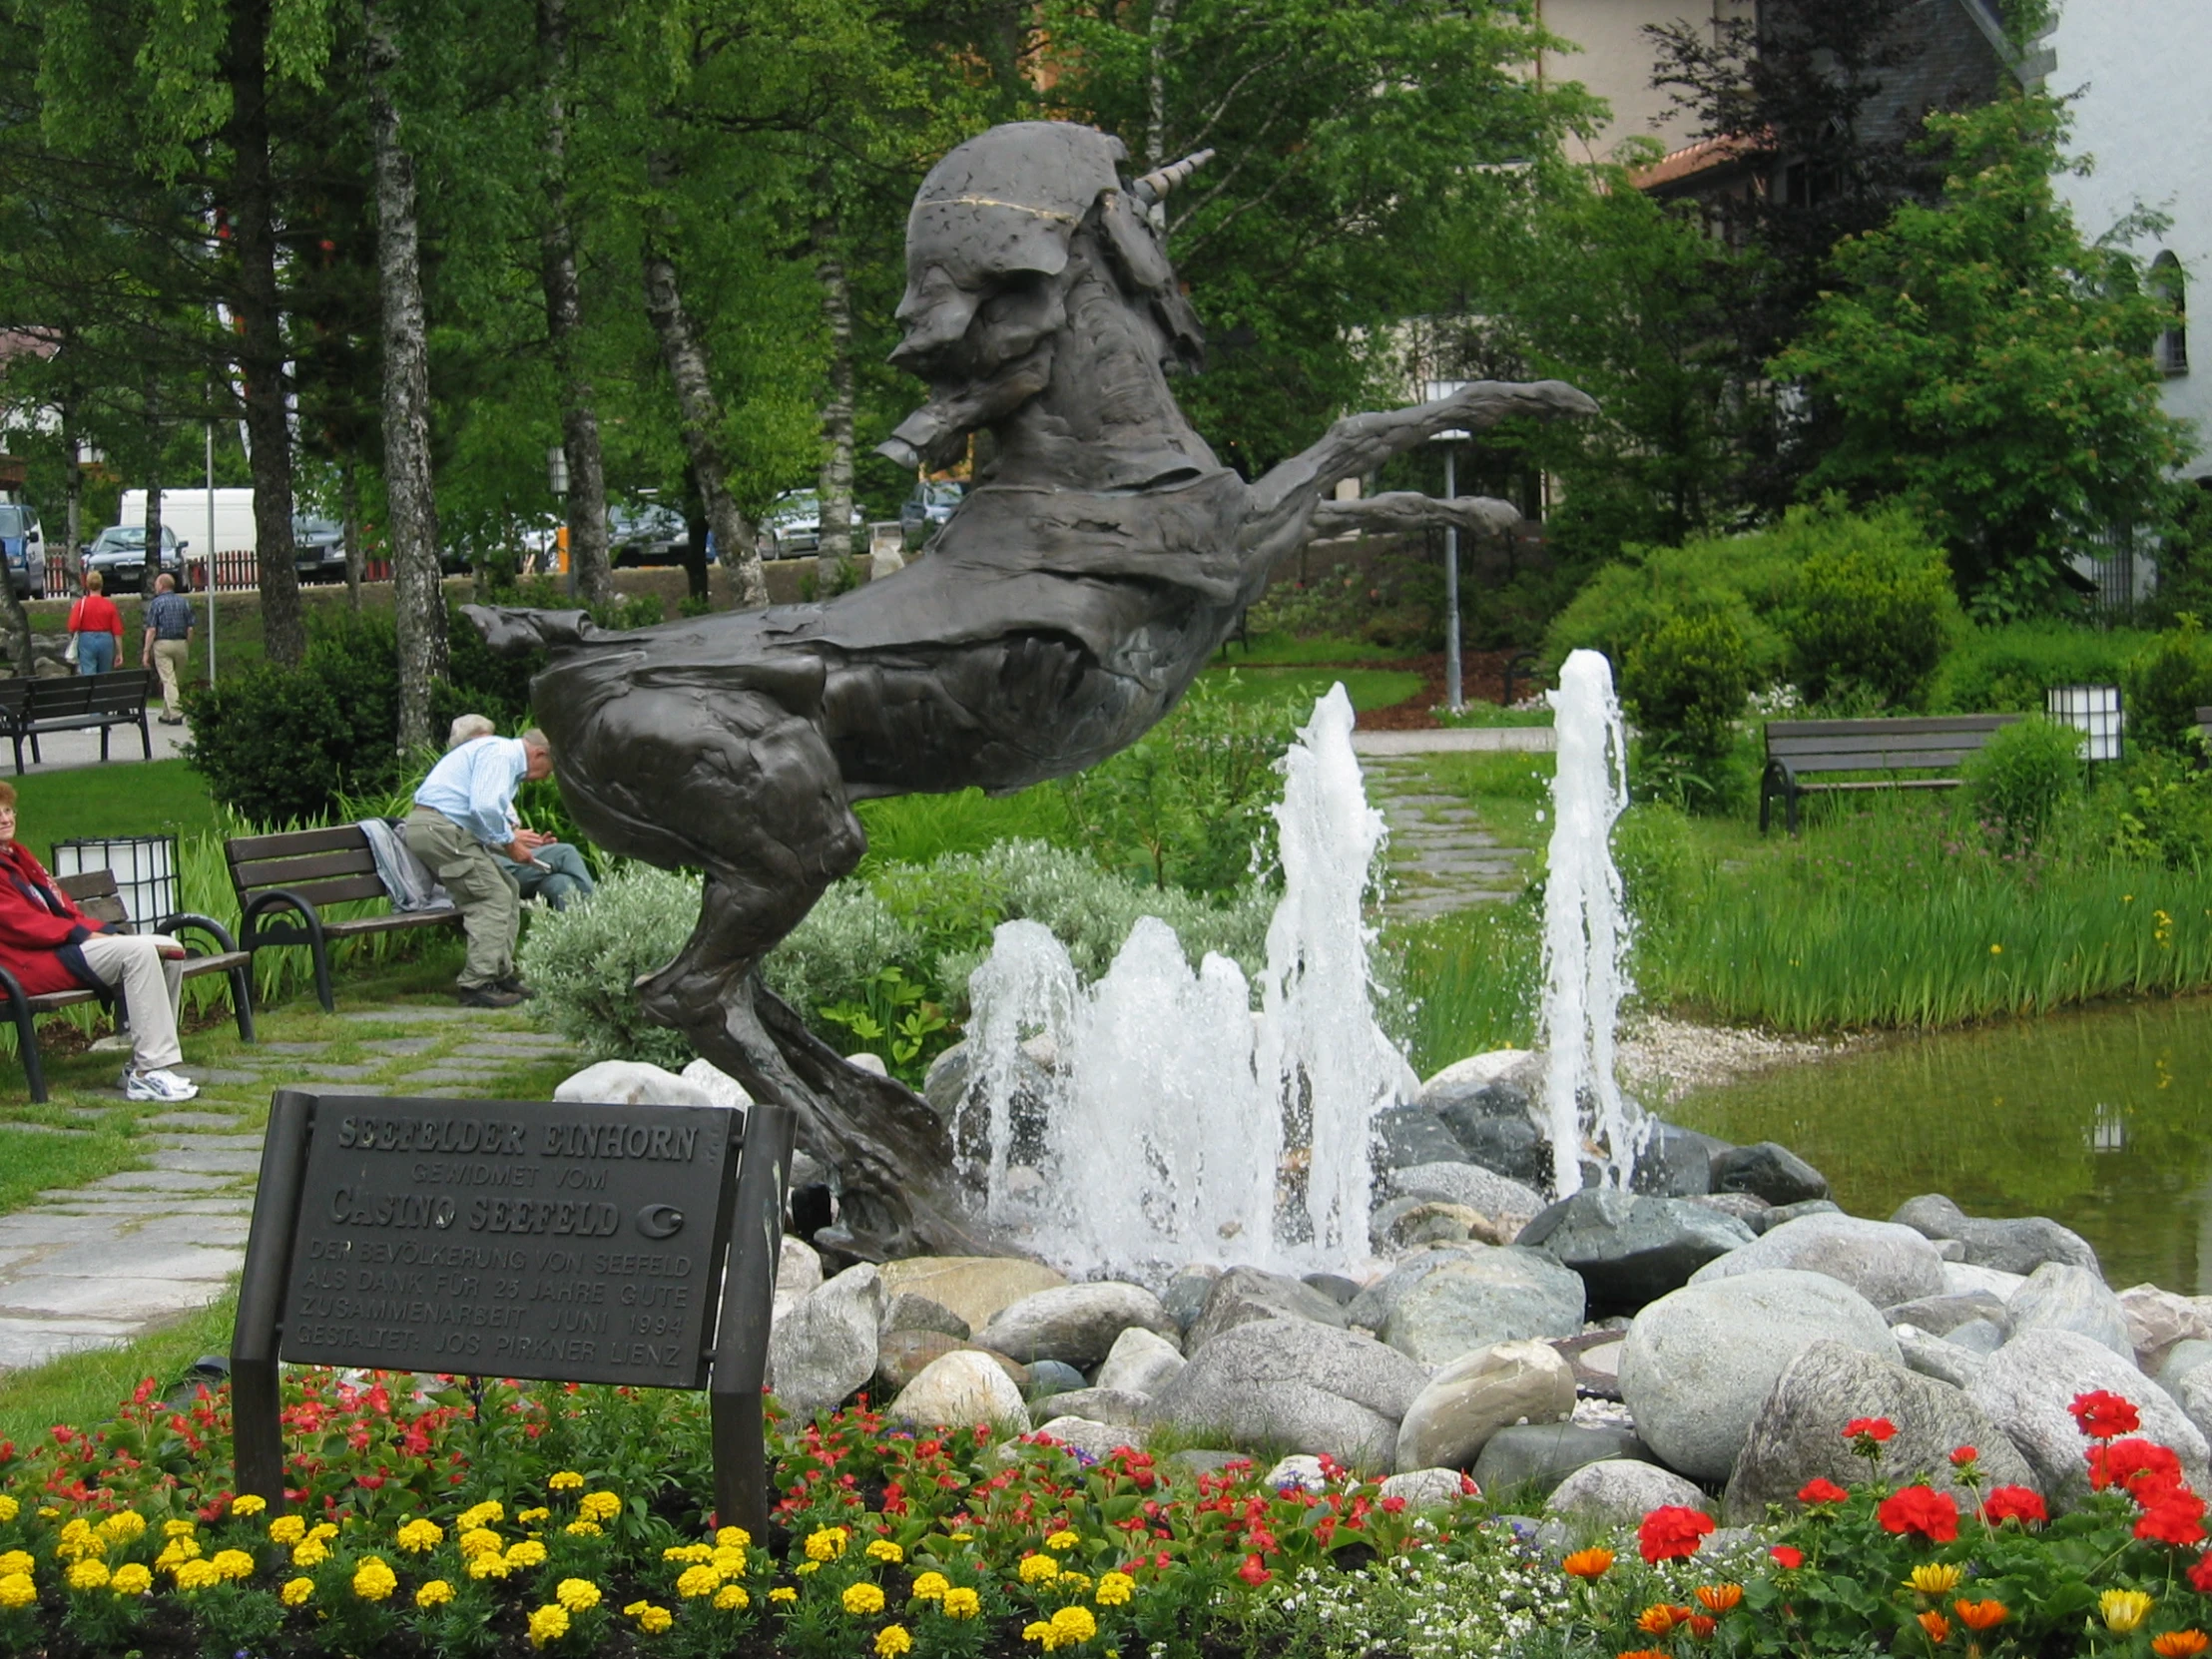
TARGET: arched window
(2172,348)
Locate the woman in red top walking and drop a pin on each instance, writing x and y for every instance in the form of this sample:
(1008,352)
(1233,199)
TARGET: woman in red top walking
(51,945)
(98,626)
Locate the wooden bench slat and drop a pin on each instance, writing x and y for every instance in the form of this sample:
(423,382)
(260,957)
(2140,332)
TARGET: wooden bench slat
(316,867)
(1923,760)
(1876,743)
(245,850)
(1908,744)
(341,890)
(388,923)
(1902,724)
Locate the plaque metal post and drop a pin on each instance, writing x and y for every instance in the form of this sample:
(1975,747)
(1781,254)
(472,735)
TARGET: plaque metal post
(257,1432)
(740,1333)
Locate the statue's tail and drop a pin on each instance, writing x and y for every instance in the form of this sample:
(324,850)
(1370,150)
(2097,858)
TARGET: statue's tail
(512,631)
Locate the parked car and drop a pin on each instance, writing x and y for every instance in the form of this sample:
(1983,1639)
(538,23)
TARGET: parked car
(119,554)
(647,535)
(25,551)
(318,548)
(921,514)
(794,526)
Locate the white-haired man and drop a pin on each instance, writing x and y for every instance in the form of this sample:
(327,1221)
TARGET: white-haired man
(555,871)
(462,820)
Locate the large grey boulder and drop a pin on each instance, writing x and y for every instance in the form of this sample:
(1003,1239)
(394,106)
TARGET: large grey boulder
(1621,1493)
(1470,1400)
(2158,1322)
(1769,1170)
(1424,1488)
(1243,1294)
(1883,1263)
(1541,1455)
(824,1348)
(1296,1383)
(1096,1440)
(2026,1386)
(1938,1357)
(2182,1358)
(1459,1182)
(1185,1297)
(1799,1432)
(1370,1309)
(911,1311)
(1964,1279)
(632,1083)
(1141,1363)
(1464,1080)
(1402,1135)
(1494,1296)
(1939,1315)
(2057,1296)
(1112,1405)
(1631,1249)
(797,1276)
(1511,1146)
(1674,1163)
(1698,1364)
(973,1287)
(2192,1391)
(2018,1244)
(1075,1323)
(1780,1214)
(962,1390)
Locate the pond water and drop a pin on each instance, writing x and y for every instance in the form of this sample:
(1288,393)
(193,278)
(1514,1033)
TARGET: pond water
(2100,1119)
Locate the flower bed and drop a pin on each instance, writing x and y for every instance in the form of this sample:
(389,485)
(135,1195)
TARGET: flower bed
(486,1519)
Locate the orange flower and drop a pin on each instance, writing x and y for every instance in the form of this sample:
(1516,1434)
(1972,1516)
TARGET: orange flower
(1588,1563)
(1702,1625)
(1982,1615)
(1645,1653)
(1719,1598)
(2180,1644)
(1936,1626)
(1656,1620)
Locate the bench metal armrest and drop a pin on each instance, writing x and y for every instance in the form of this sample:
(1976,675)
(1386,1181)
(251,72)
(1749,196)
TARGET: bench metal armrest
(25,1033)
(272,899)
(207,924)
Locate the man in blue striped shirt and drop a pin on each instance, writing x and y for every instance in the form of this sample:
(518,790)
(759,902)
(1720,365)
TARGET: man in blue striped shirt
(461,817)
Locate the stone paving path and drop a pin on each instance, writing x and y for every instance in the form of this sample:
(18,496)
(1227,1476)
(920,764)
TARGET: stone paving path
(1441,858)
(95,1266)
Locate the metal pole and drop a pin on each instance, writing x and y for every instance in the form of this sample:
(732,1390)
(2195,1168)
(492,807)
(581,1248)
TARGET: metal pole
(1456,701)
(740,1337)
(257,1434)
(210,552)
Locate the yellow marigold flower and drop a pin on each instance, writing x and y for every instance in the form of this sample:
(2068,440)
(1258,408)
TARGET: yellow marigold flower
(961,1603)
(45,1512)
(17,1590)
(826,1544)
(9,1508)
(436,1593)
(583,1530)
(1062,1539)
(576,1595)
(932,1586)
(309,1552)
(729,1563)
(295,1591)
(1074,1582)
(1041,1630)
(178,1528)
(481,1540)
(882,1549)
(892,1640)
(17,1560)
(599,1506)
(487,1565)
(783,1593)
(1075,1624)
(124,1526)
(198,1575)
(863,1600)
(1934,1578)
(805,1567)
(177,1552)
(133,1578)
(688,1552)
(701,1581)
(232,1563)
(1039,1570)
(487,1513)
(528,1553)
(1115,1588)
(246,1506)
(2123,1610)
(88,1576)
(322,1532)
(373,1581)
(531,1517)
(730,1598)
(79,1540)
(287,1530)
(564,1481)
(651,1619)
(733,1537)
(420,1536)
(548,1624)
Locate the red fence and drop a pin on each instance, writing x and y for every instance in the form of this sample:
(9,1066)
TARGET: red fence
(238,570)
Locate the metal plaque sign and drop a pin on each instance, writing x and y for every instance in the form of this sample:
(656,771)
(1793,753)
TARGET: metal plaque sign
(555,1240)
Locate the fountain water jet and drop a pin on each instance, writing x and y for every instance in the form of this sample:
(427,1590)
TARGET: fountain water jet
(1586,935)
(1176,1123)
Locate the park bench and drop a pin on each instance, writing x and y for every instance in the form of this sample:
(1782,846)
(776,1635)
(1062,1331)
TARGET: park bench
(283,880)
(95,894)
(75,703)
(1927,743)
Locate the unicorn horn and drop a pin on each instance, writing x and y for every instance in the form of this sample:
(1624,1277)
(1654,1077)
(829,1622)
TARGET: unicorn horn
(1154,185)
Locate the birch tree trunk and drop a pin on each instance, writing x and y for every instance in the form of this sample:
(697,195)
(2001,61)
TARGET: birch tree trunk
(836,488)
(418,591)
(586,475)
(696,404)
(261,356)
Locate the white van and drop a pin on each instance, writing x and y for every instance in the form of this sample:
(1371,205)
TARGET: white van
(185,513)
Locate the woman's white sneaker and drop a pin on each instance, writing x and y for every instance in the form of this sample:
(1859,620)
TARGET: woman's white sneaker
(154,1084)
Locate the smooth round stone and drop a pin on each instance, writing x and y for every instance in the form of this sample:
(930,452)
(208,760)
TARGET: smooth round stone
(1050,1376)
(1884,1263)
(1541,1455)
(1476,1396)
(1491,1297)
(1620,1492)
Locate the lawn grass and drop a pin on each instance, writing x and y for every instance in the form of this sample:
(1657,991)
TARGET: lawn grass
(1289,651)
(138,797)
(917,829)
(84,1389)
(1369,687)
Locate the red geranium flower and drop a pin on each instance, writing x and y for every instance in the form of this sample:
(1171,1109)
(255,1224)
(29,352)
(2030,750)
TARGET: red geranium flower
(1788,1555)
(1961,1455)
(2175,1516)
(1253,1571)
(2200,1575)
(1672,1532)
(2134,1464)
(2104,1415)
(1876,1429)
(1821,1490)
(1921,1509)
(2022,1504)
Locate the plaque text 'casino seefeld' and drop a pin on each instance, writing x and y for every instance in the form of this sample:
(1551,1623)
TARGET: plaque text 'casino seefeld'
(572,1242)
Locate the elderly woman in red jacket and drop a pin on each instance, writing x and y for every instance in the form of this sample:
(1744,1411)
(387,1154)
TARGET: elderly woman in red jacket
(49,944)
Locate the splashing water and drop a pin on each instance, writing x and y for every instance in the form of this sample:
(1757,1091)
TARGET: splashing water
(1586,934)
(1176,1124)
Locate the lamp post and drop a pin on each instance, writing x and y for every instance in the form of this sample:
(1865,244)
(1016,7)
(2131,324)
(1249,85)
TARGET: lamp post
(1436,392)
(556,476)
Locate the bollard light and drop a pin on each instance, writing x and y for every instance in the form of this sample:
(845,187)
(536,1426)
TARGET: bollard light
(556,469)
(2094,712)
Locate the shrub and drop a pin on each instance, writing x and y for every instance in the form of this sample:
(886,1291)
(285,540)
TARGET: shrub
(2164,810)
(2166,683)
(2022,774)
(1874,608)
(1687,679)
(583,961)
(2006,670)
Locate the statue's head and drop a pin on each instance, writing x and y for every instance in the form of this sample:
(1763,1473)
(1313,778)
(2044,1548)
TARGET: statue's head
(989,242)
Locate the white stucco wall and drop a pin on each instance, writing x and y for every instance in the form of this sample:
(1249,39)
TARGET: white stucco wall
(2136,71)
(1615,61)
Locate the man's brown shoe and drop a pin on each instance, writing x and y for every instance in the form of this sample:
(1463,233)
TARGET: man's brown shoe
(488,996)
